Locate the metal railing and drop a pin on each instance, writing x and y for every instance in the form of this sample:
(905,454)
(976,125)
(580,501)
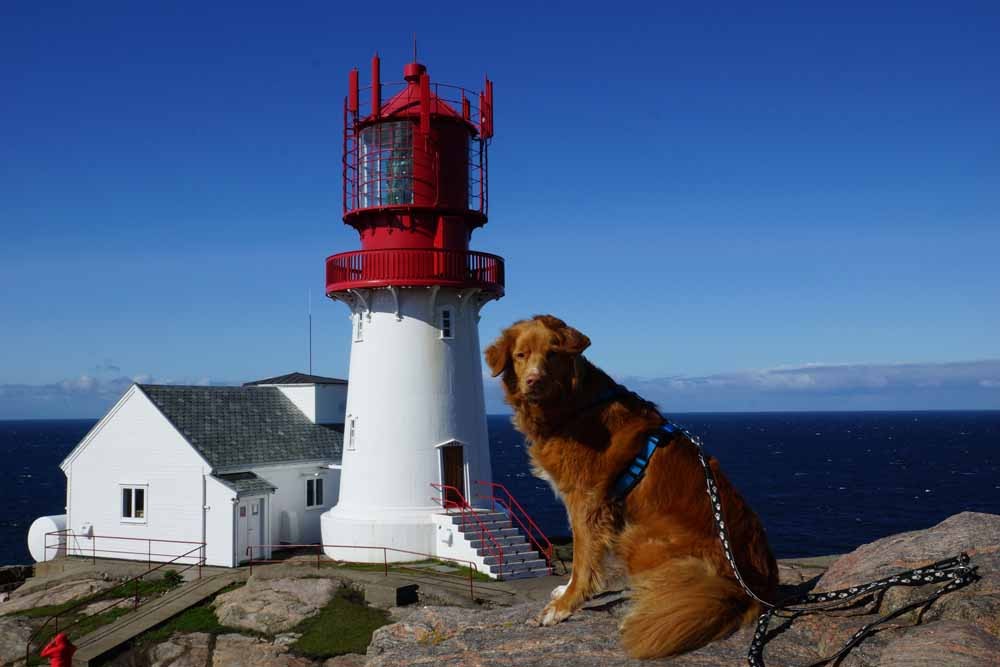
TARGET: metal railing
(468,513)
(93,599)
(513,509)
(416,267)
(473,569)
(64,536)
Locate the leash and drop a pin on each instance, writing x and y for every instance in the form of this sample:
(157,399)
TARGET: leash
(953,573)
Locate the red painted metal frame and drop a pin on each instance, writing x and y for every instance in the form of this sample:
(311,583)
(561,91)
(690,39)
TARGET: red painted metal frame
(473,568)
(93,551)
(199,563)
(467,512)
(517,513)
(415,267)
(455,97)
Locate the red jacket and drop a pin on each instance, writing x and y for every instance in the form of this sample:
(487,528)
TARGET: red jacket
(59,651)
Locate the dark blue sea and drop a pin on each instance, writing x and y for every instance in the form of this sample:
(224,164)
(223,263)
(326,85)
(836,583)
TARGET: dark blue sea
(822,482)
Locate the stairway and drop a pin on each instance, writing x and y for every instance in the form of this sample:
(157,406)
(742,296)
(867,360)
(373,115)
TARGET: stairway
(520,558)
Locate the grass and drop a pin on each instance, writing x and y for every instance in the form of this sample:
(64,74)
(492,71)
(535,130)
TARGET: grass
(345,625)
(199,618)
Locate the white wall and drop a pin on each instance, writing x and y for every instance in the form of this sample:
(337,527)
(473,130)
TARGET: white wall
(331,403)
(137,445)
(410,391)
(291,522)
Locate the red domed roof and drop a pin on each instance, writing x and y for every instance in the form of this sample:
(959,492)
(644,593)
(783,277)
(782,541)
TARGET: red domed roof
(407,101)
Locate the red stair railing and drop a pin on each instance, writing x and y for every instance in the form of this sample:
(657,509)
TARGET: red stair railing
(467,512)
(519,515)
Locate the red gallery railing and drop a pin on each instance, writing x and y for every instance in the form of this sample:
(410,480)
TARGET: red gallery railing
(414,267)
(508,503)
(470,517)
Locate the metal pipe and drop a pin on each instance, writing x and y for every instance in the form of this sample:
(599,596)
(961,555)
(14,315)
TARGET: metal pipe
(425,103)
(352,91)
(376,87)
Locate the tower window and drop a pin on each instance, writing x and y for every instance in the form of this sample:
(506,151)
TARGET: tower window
(446,323)
(359,326)
(352,433)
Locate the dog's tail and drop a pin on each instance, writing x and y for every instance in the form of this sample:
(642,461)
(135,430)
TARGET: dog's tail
(680,605)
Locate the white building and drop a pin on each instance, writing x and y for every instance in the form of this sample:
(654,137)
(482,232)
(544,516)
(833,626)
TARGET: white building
(169,467)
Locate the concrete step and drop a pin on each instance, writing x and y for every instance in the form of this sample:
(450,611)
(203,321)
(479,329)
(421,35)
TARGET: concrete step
(527,574)
(530,559)
(490,526)
(514,543)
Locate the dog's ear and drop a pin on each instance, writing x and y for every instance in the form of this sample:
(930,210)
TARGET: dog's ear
(570,340)
(498,354)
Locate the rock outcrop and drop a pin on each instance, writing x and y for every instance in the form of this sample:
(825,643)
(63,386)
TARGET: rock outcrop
(57,594)
(959,630)
(14,634)
(271,606)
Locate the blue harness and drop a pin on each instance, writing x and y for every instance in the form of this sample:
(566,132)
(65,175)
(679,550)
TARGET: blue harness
(636,470)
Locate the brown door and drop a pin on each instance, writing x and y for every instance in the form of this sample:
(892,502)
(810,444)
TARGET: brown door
(453,464)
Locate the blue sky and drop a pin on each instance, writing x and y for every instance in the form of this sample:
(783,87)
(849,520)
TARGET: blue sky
(712,190)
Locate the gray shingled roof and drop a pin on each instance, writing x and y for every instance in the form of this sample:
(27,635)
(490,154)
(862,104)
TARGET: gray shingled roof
(296,378)
(234,427)
(246,483)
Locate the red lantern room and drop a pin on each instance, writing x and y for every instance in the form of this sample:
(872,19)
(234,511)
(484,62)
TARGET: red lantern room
(415,185)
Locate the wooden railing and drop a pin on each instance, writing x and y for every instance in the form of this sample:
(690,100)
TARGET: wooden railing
(416,267)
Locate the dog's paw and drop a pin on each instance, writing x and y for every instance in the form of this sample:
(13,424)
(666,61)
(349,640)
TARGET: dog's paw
(552,614)
(558,591)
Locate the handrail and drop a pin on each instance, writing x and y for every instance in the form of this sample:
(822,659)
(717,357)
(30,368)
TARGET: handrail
(523,519)
(68,533)
(473,568)
(466,510)
(91,599)
(414,267)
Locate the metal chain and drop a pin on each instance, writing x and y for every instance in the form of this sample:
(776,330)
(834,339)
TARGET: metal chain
(956,571)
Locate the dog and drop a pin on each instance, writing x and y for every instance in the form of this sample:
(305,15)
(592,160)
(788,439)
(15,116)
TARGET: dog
(684,593)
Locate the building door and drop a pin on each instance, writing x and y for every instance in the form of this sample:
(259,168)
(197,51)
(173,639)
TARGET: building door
(453,467)
(249,527)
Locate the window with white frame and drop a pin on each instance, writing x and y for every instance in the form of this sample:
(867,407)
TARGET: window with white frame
(133,503)
(359,326)
(314,492)
(352,433)
(445,322)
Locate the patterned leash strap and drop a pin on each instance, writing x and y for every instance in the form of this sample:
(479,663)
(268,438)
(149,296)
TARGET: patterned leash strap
(955,571)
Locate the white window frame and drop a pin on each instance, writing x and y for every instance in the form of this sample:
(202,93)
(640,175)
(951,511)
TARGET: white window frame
(318,498)
(449,332)
(132,488)
(352,433)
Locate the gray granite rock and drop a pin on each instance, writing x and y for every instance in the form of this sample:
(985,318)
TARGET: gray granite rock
(183,650)
(57,594)
(243,651)
(14,634)
(272,606)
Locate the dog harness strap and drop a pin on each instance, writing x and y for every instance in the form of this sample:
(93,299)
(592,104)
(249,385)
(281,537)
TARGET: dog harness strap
(636,470)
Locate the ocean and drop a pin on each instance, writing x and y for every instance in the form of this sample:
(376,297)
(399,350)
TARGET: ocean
(822,483)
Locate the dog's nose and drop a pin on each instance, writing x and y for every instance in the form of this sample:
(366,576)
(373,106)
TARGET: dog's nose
(531,378)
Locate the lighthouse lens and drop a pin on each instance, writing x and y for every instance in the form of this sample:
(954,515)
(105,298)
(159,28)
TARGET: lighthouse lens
(386,164)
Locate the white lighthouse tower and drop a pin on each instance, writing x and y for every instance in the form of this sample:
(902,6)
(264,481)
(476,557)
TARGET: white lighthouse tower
(415,433)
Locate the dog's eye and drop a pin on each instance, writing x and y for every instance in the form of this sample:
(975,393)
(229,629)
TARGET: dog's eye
(550,354)
(520,355)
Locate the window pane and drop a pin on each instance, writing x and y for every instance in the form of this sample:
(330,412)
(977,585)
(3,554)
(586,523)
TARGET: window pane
(127,503)
(309,493)
(140,503)
(319,492)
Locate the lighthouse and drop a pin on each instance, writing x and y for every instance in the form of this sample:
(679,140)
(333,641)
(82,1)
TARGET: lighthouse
(415,189)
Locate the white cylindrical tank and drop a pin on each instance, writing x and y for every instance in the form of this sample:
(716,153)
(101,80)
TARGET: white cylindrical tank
(415,390)
(43,546)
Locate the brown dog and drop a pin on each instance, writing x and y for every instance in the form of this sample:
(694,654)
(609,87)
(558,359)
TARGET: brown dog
(684,592)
